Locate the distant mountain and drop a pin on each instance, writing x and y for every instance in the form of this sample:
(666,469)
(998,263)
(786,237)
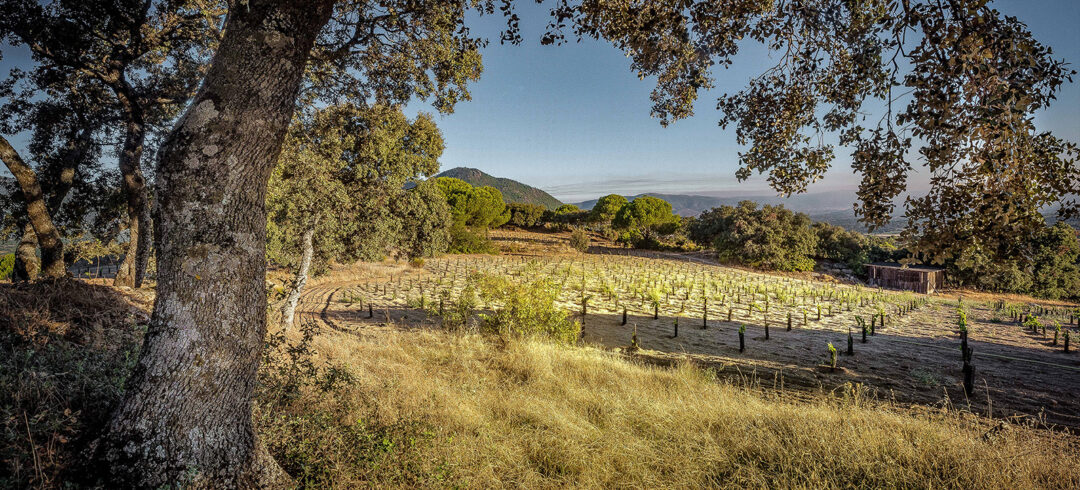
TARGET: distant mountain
(512,190)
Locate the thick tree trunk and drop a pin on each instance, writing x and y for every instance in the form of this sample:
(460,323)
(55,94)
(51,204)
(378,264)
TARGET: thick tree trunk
(48,237)
(186,414)
(27,266)
(133,268)
(289,309)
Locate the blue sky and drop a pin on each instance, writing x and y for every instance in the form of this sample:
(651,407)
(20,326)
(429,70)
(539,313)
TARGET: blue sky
(574,120)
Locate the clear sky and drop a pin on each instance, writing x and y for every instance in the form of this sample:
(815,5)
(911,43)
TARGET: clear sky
(574,120)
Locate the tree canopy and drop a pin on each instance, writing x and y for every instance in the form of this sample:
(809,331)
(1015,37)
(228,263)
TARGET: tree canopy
(477,207)
(343,172)
(646,215)
(605,208)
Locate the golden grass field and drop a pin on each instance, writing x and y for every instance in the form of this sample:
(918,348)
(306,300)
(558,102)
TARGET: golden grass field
(533,414)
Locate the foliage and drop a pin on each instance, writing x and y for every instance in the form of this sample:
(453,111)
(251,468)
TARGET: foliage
(646,216)
(606,207)
(7,265)
(1048,265)
(852,248)
(525,215)
(579,240)
(476,207)
(473,211)
(771,237)
(525,309)
(468,241)
(343,171)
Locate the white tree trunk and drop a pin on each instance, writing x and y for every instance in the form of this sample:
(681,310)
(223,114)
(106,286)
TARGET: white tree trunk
(289,309)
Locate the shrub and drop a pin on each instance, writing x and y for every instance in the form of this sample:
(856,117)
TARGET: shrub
(416,262)
(771,237)
(524,215)
(464,240)
(579,240)
(526,309)
(7,266)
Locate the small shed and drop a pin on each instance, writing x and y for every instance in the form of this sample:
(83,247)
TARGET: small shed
(918,278)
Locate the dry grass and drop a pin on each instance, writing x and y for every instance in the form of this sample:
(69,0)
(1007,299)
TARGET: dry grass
(462,410)
(65,351)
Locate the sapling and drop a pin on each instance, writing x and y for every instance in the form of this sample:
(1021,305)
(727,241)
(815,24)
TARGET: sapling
(818,313)
(1057,331)
(832,356)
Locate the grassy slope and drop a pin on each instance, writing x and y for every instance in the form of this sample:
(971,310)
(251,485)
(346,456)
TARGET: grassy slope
(460,409)
(427,408)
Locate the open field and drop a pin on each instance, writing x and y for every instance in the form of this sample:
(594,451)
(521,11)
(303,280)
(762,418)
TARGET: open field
(394,400)
(913,359)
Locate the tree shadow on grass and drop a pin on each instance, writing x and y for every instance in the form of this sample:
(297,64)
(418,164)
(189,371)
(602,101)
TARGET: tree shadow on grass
(66,349)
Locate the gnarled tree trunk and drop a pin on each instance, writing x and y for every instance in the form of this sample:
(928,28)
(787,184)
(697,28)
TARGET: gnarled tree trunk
(186,414)
(133,183)
(289,309)
(48,237)
(27,266)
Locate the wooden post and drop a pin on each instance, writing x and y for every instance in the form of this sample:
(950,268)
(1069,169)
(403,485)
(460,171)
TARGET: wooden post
(705,315)
(676,328)
(789,321)
(624,315)
(969,374)
(742,340)
(850,343)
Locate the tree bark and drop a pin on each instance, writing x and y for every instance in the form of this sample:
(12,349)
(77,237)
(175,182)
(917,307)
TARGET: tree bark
(48,237)
(27,266)
(289,309)
(185,419)
(133,183)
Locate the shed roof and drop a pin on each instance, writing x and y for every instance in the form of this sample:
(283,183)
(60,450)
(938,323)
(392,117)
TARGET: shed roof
(897,265)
